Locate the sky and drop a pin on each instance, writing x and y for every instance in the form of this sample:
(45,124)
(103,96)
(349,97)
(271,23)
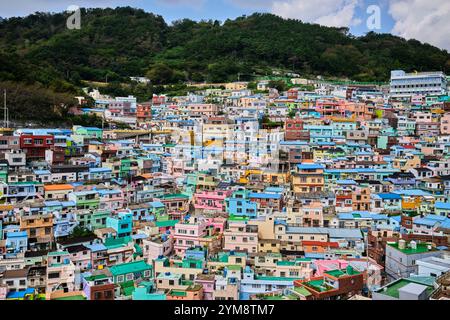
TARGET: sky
(424,20)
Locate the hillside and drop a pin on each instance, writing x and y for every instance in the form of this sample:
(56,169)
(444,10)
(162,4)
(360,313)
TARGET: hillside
(118,43)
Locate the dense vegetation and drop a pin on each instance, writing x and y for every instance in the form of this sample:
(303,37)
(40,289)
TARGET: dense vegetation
(114,44)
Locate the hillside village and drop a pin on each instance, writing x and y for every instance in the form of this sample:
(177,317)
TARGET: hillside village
(322,191)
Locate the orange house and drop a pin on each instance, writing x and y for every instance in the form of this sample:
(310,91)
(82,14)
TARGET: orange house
(318,246)
(57,191)
(39,227)
(194,292)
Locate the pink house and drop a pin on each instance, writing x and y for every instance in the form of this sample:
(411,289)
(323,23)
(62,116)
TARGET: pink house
(111,199)
(156,247)
(211,200)
(445,124)
(218,224)
(80,257)
(188,234)
(241,237)
(326,265)
(3,291)
(202,109)
(207,281)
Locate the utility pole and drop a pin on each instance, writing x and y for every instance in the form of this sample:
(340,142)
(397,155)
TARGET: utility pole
(5,111)
(367,259)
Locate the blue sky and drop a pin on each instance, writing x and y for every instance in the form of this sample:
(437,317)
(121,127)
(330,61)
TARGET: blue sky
(425,20)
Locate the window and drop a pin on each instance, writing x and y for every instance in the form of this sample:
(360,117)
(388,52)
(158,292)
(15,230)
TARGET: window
(129,276)
(120,278)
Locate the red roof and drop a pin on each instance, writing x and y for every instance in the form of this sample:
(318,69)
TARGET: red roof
(321,244)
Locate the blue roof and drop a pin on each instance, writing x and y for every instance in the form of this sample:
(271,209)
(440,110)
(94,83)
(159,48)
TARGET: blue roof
(95,170)
(96,247)
(361,215)
(389,196)
(39,172)
(139,236)
(68,203)
(274,189)
(264,195)
(436,217)
(346,182)
(413,192)
(20,294)
(107,191)
(52,203)
(157,204)
(16,234)
(442,205)
(425,222)
(309,166)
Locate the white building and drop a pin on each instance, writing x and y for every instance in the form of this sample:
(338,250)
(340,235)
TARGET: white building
(404,85)
(433,266)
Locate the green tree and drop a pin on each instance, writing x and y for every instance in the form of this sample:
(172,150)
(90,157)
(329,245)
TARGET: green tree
(161,74)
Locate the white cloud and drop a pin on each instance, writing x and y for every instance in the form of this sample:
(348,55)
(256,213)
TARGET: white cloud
(424,20)
(186,3)
(334,13)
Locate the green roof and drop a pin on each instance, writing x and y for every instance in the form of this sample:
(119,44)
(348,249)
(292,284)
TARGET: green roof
(128,288)
(344,272)
(165,224)
(96,277)
(392,289)
(268,278)
(177,293)
(421,248)
(77,297)
(131,267)
(335,273)
(273,298)
(318,285)
(57,253)
(285,263)
(302,291)
(174,196)
(234,267)
(117,242)
(238,218)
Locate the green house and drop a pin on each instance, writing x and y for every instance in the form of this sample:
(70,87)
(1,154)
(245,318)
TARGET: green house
(131,271)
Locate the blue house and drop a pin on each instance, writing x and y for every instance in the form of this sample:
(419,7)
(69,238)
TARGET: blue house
(239,204)
(16,241)
(122,223)
(442,208)
(63,223)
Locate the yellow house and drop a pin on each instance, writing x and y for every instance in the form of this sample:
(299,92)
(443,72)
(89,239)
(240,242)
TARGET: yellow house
(275,178)
(236,85)
(407,162)
(308,178)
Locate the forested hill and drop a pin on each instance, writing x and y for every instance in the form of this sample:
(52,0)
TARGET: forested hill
(118,43)
(126,42)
